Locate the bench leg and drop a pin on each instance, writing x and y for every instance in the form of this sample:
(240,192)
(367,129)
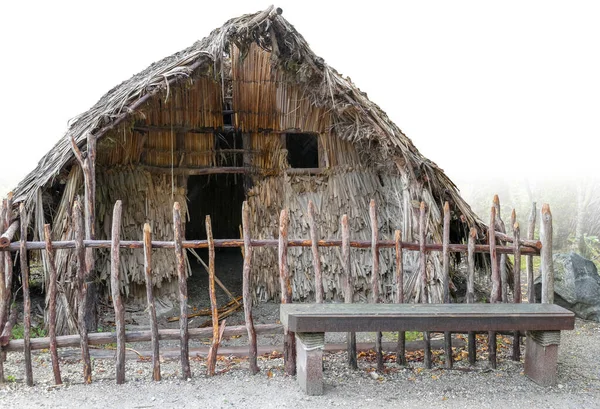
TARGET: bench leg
(541,356)
(309,362)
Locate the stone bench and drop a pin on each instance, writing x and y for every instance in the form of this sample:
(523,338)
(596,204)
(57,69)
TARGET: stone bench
(310,322)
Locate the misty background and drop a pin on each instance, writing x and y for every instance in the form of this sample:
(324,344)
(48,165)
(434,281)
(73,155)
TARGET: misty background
(502,96)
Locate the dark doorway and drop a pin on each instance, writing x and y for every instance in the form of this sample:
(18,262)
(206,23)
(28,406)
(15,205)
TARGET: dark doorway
(220,196)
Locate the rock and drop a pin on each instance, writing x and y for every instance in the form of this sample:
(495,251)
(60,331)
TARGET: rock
(576,286)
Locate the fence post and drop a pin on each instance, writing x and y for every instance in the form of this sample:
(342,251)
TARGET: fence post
(52,286)
(82,290)
(401,351)
(315,252)
(424,289)
(183,294)
(348,288)
(546,256)
(115,268)
(150,300)
(289,340)
(26,296)
(246,293)
(530,235)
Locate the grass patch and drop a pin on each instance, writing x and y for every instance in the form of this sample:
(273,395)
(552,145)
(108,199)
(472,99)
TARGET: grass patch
(409,336)
(36,332)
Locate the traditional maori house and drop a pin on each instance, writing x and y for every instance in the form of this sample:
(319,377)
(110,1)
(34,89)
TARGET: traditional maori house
(248,113)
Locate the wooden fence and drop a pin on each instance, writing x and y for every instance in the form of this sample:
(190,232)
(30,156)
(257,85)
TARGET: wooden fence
(500,244)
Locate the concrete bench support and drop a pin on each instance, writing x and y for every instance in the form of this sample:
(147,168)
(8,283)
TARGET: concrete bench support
(309,361)
(541,357)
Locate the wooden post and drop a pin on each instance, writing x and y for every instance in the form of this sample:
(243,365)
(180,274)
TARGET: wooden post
(115,267)
(150,300)
(253,348)
(289,339)
(446,272)
(348,288)
(502,262)
(212,355)
(516,353)
(530,236)
(81,290)
(401,350)
(52,286)
(26,296)
(3,290)
(182,279)
(87,163)
(315,252)
(496,283)
(424,284)
(546,255)
(471,290)
(375,278)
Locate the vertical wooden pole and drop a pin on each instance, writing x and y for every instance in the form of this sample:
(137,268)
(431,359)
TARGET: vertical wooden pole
(26,295)
(516,353)
(315,252)
(375,278)
(3,289)
(253,348)
(471,290)
(150,299)
(8,261)
(115,267)
(446,273)
(212,355)
(424,284)
(52,286)
(496,283)
(546,255)
(82,273)
(348,288)
(289,344)
(183,294)
(401,350)
(502,259)
(530,236)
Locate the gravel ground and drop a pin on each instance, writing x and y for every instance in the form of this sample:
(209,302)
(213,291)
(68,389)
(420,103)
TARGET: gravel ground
(233,386)
(468,387)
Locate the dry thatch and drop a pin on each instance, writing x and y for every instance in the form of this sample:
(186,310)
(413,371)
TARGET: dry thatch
(277,84)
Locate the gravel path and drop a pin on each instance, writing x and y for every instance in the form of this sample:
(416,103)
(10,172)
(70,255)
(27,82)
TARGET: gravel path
(464,387)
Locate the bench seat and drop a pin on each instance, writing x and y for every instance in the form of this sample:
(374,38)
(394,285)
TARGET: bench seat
(311,321)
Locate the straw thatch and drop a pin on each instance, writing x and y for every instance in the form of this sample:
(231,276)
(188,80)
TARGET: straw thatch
(165,118)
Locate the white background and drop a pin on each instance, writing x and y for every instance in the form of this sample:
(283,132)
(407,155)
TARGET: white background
(484,89)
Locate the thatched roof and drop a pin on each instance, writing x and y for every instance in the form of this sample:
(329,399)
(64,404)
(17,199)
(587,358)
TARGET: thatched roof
(355,117)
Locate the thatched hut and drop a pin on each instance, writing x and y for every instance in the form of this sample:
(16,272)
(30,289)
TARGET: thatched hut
(248,113)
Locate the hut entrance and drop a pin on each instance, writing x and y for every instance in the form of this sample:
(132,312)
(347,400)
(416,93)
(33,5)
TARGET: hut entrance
(220,196)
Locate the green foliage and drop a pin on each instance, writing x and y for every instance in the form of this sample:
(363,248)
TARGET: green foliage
(11,378)
(589,247)
(409,336)
(36,332)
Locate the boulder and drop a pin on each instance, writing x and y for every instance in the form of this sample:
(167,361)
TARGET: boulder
(576,286)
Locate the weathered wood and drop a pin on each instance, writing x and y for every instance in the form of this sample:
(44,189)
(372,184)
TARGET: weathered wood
(78,226)
(289,339)
(100,338)
(375,299)
(516,353)
(150,302)
(471,290)
(6,334)
(348,287)
(115,268)
(8,235)
(230,243)
(4,304)
(26,296)
(500,227)
(315,252)
(183,294)
(446,278)
(547,265)
(212,357)
(496,293)
(343,317)
(424,283)
(401,349)
(226,170)
(529,260)
(52,287)
(246,290)
(535,244)
(8,261)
